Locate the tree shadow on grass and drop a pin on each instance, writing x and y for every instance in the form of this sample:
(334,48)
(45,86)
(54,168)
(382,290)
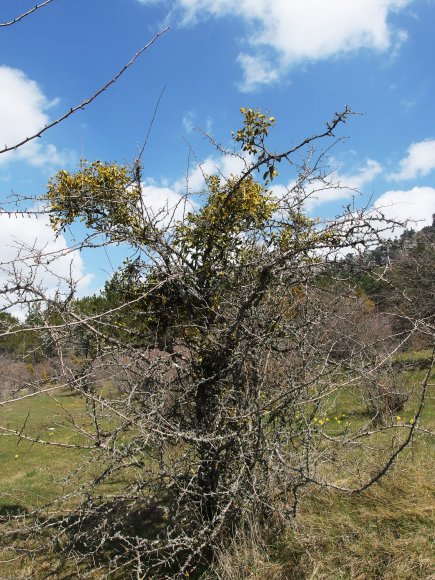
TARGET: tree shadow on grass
(108,537)
(11,509)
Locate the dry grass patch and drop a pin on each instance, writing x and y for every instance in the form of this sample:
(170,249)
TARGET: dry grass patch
(387,532)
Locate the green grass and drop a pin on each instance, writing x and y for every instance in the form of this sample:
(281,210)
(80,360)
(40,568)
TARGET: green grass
(385,533)
(31,474)
(415,359)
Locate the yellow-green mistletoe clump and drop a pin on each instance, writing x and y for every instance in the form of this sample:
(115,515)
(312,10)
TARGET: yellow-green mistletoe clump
(234,206)
(104,196)
(241,203)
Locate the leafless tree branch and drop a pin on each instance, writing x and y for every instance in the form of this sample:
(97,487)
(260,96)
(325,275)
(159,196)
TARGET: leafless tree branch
(86,102)
(22,16)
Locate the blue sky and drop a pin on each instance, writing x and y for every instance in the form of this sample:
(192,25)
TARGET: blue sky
(301,61)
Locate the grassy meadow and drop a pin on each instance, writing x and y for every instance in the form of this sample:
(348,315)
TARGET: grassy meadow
(386,532)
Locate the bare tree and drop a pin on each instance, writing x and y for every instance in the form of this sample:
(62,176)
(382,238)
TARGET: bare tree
(221,340)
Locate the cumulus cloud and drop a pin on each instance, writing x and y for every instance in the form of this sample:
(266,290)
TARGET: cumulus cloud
(161,197)
(23,112)
(165,205)
(364,175)
(415,205)
(224,165)
(296,32)
(346,185)
(30,249)
(170,201)
(338,186)
(419,161)
(394,211)
(257,70)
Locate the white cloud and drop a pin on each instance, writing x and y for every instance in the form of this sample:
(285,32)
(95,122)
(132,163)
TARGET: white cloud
(224,165)
(30,248)
(171,201)
(420,161)
(23,109)
(165,204)
(416,205)
(188,121)
(300,31)
(346,185)
(257,70)
(362,177)
(209,124)
(337,186)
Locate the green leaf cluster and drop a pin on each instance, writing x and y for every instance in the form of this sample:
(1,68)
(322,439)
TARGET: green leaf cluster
(252,137)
